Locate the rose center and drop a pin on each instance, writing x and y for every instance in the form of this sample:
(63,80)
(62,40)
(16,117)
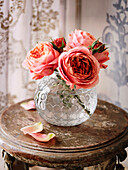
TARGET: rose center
(80,64)
(35,53)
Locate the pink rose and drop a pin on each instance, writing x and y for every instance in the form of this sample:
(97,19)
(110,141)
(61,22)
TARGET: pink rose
(42,60)
(82,38)
(79,38)
(78,67)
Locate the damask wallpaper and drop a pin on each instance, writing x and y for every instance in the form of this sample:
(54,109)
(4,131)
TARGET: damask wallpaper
(111,24)
(115,34)
(23,24)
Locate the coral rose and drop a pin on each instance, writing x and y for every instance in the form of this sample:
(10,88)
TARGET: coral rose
(78,67)
(42,60)
(82,38)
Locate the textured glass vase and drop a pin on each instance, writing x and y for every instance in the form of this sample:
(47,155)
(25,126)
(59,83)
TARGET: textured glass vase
(59,105)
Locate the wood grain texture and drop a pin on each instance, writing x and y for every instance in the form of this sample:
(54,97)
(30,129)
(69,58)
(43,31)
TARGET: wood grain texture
(98,139)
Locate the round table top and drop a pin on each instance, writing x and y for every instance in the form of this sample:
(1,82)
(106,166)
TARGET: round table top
(100,137)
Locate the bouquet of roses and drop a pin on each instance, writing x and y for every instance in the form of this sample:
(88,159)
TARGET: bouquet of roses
(78,61)
(77,64)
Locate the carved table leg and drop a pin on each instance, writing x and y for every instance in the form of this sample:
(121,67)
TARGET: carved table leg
(8,159)
(111,164)
(106,165)
(18,165)
(13,164)
(121,157)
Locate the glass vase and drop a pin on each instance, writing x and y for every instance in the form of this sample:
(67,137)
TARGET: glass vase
(61,106)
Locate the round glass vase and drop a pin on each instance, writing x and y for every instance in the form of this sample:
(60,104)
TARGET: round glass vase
(61,106)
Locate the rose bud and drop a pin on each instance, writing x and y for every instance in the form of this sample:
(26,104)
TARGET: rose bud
(59,44)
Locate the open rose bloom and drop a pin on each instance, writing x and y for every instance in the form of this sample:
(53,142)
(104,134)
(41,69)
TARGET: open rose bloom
(81,38)
(79,61)
(42,60)
(79,67)
(68,97)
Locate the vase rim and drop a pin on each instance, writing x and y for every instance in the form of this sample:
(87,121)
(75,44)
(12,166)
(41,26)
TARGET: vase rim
(44,82)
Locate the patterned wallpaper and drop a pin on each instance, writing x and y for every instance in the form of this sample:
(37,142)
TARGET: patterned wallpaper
(116,35)
(24,23)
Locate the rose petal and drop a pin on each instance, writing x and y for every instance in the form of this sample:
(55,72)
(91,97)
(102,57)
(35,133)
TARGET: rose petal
(42,137)
(28,105)
(79,38)
(82,80)
(43,56)
(37,127)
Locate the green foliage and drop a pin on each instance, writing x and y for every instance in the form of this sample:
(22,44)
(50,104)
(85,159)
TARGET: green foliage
(67,94)
(99,49)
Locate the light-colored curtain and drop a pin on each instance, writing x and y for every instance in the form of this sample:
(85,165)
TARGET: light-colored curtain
(23,23)
(108,20)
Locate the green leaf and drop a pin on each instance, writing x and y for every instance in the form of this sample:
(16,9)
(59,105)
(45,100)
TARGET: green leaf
(54,46)
(103,50)
(66,101)
(74,86)
(63,45)
(98,49)
(94,43)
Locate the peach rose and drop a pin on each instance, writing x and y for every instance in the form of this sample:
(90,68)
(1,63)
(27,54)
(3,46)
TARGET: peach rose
(42,60)
(78,67)
(78,38)
(82,38)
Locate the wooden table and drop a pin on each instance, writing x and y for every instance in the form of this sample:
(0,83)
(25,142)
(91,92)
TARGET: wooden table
(95,142)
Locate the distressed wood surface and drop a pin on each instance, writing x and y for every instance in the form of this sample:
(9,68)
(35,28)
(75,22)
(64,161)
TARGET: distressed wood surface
(100,138)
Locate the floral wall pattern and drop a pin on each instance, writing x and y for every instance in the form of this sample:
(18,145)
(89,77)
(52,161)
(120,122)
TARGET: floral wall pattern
(23,24)
(44,20)
(116,35)
(3,54)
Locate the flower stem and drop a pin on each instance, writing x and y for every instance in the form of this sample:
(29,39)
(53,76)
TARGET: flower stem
(82,104)
(75,96)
